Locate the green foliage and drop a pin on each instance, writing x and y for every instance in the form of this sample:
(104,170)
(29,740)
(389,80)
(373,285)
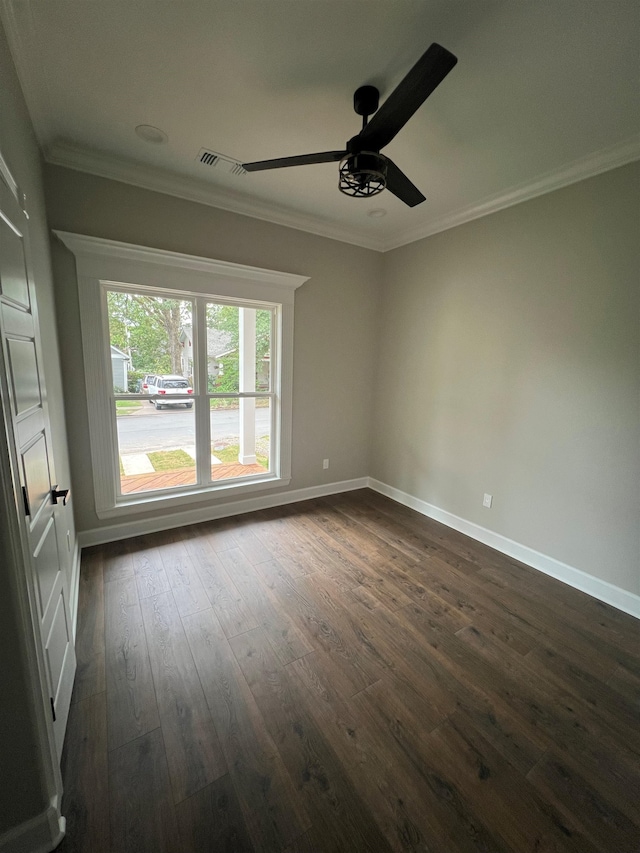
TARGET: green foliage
(229,455)
(134,377)
(170,460)
(226,318)
(148,329)
(229,381)
(127,407)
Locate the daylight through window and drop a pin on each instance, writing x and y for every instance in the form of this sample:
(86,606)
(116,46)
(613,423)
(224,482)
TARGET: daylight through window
(190,409)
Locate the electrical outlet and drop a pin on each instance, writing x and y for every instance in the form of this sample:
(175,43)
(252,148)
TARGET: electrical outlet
(487,500)
(325,464)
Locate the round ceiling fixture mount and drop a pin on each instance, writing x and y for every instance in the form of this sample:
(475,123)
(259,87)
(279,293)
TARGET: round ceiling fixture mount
(377,213)
(151,134)
(363,175)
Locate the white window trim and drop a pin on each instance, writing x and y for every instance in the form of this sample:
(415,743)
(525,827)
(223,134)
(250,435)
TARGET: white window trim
(98,261)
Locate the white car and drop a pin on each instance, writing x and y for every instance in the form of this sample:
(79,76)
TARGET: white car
(167,385)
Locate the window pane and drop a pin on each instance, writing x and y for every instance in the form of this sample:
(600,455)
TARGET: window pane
(238,348)
(263,350)
(240,437)
(149,337)
(223,329)
(156,447)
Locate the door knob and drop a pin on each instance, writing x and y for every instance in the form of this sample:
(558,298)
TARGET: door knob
(59,493)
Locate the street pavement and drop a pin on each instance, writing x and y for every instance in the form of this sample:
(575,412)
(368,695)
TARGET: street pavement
(149,429)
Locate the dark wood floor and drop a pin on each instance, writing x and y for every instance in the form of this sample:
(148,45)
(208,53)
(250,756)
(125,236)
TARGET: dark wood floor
(346,675)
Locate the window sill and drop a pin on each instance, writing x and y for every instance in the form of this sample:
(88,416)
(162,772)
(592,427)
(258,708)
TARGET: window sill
(149,502)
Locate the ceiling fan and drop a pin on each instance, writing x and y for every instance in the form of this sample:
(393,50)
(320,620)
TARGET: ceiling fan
(364,171)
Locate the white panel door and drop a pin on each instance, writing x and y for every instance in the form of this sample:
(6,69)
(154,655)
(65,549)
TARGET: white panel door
(25,414)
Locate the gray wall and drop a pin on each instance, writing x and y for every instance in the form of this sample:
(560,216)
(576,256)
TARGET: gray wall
(335,316)
(510,364)
(22,793)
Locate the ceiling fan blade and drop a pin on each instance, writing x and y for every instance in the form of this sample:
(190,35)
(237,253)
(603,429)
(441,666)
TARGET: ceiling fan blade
(301,160)
(428,72)
(400,185)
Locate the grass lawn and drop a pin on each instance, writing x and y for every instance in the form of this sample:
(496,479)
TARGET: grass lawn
(230,454)
(170,460)
(127,407)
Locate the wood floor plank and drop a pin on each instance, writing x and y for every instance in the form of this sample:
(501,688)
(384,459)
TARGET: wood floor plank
(576,608)
(220,534)
(616,712)
(572,728)
(286,640)
(293,559)
(143,818)
(231,609)
(253,549)
(449,821)
(339,563)
(319,625)
(131,699)
(449,679)
(188,592)
(581,804)
(147,565)
(331,800)
(90,651)
(118,562)
(509,618)
(194,755)
(85,802)
(273,811)
(627,685)
(414,672)
(466,600)
(334,605)
(368,764)
(618,645)
(211,820)
(523,820)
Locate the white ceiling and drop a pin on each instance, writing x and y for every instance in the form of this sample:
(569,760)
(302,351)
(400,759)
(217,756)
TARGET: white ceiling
(544,93)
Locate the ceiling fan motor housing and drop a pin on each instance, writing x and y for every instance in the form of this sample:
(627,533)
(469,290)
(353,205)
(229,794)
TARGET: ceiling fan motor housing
(366,100)
(363,174)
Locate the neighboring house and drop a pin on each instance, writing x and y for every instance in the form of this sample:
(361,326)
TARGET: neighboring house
(218,345)
(120,369)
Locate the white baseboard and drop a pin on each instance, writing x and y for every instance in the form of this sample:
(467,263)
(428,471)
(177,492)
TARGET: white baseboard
(115,532)
(40,834)
(622,599)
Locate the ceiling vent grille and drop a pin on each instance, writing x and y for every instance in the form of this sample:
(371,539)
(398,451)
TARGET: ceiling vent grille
(220,162)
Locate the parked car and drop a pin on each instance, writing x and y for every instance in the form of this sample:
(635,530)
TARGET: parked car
(167,385)
(143,384)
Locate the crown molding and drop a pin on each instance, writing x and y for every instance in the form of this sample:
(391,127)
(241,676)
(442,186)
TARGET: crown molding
(586,167)
(103,165)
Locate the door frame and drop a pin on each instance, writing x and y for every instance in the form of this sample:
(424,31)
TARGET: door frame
(47,827)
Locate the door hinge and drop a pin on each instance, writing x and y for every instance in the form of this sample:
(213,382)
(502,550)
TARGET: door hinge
(53,710)
(27,510)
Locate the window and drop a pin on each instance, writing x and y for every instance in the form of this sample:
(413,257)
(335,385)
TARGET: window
(188,367)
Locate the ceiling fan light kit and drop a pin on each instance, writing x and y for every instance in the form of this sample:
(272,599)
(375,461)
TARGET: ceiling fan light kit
(363,175)
(364,171)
